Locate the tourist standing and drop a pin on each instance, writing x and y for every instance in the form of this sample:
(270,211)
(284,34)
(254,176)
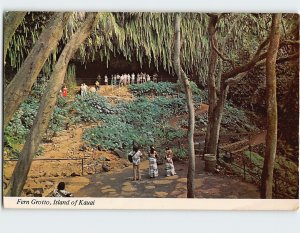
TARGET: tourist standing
(111,80)
(105,80)
(84,89)
(114,80)
(128,79)
(170,169)
(138,79)
(97,85)
(99,78)
(136,160)
(153,170)
(125,79)
(65,91)
(121,80)
(81,90)
(118,79)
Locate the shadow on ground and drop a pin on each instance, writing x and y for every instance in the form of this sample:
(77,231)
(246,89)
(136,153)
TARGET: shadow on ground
(119,184)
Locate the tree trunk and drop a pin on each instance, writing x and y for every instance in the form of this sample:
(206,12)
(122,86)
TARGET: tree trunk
(191,128)
(271,138)
(191,123)
(11,22)
(47,105)
(216,117)
(211,83)
(218,85)
(19,88)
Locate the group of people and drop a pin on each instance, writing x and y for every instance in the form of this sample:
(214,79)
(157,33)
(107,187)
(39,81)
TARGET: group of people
(136,155)
(125,79)
(83,89)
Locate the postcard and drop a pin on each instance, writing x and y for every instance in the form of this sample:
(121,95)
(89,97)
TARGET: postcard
(150,110)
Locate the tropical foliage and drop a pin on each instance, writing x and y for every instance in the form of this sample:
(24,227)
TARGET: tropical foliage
(18,128)
(148,38)
(143,121)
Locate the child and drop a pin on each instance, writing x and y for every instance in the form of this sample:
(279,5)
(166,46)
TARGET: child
(170,170)
(153,171)
(136,160)
(61,192)
(65,91)
(97,85)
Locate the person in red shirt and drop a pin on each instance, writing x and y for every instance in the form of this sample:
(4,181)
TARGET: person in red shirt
(65,91)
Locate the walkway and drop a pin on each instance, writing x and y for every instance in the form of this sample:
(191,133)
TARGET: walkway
(119,184)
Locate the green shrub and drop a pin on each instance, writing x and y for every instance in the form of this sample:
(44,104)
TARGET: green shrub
(164,88)
(91,108)
(142,121)
(235,119)
(284,168)
(180,153)
(19,126)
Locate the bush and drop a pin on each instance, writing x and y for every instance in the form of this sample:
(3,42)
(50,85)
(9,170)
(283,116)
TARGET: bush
(236,119)
(142,121)
(60,116)
(19,126)
(164,88)
(91,108)
(180,153)
(284,168)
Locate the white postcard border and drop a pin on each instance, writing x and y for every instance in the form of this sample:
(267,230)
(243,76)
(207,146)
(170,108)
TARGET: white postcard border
(149,203)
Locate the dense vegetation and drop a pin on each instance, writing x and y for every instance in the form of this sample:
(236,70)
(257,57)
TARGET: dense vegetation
(286,175)
(145,120)
(217,51)
(17,130)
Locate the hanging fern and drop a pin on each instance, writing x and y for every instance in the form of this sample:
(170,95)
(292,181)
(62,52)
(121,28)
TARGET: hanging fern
(147,38)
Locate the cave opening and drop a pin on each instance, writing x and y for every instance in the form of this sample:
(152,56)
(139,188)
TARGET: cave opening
(88,73)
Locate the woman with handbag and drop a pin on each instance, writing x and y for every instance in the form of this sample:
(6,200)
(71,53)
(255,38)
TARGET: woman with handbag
(136,155)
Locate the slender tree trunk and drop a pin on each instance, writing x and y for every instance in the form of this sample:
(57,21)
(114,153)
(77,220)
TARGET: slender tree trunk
(188,93)
(19,88)
(191,129)
(211,83)
(11,22)
(271,138)
(216,120)
(47,105)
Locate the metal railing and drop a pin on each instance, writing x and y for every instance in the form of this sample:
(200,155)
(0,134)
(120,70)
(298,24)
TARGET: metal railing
(257,177)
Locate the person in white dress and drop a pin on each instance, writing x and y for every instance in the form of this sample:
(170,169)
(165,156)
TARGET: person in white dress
(153,169)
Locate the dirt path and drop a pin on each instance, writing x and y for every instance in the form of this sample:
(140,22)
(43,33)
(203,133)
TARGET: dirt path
(203,109)
(243,144)
(44,175)
(258,138)
(119,184)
